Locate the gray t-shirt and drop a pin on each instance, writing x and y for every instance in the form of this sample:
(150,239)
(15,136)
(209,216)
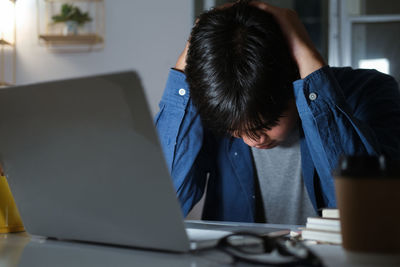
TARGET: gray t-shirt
(284,196)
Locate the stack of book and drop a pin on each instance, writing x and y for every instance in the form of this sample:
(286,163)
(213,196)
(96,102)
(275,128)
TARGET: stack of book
(324,229)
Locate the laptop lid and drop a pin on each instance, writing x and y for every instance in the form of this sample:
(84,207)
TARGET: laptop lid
(83,161)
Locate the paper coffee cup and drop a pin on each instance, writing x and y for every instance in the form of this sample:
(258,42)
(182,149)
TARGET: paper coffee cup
(368,198)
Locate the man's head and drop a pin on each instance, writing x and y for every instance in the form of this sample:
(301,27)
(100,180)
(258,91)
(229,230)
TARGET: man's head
(240,74)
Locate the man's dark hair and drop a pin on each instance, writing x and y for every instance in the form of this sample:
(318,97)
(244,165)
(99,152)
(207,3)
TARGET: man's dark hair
(239,70)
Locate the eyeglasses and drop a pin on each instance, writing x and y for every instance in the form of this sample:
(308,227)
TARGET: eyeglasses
(258,249)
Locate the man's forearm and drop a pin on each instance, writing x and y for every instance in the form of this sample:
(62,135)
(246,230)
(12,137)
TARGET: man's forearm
(181,63)
(308,61)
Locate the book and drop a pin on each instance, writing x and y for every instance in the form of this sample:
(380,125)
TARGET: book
(330,213)
(332,237)
(324,229)
(323,223)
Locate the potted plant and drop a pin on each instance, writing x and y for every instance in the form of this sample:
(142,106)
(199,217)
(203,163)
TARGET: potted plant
(73,18)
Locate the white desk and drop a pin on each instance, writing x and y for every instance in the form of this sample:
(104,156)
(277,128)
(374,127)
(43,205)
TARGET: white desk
(23,250)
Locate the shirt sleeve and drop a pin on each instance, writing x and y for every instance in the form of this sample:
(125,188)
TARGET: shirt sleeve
(181,136)
(366,122)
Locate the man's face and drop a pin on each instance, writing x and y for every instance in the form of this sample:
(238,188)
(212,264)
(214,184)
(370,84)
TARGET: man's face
(277,134)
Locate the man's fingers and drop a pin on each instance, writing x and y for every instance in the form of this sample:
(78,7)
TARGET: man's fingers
(224,6)
(265,7)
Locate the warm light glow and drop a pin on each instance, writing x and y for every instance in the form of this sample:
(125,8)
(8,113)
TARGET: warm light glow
(380,64)
(7,18)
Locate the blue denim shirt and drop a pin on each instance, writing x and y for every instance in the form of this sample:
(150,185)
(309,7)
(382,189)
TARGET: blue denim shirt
(342,111)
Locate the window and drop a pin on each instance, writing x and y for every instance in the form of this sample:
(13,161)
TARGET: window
(313,13)
(365,34)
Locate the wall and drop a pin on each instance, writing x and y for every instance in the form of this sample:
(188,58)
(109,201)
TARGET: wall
(145,36)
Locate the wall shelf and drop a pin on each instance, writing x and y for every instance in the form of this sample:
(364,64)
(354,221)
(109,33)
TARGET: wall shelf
(4,42)
(7,43)
(58,36)
(4,84)
(80,39)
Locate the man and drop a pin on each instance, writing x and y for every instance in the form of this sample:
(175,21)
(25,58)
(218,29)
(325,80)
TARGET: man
(265,118)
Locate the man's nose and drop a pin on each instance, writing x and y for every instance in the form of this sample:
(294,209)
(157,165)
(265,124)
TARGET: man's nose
(254,141)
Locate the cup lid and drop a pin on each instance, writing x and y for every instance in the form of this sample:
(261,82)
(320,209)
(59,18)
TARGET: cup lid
(367,166)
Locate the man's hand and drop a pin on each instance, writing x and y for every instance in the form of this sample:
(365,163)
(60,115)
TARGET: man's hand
(303,50)
(181,63)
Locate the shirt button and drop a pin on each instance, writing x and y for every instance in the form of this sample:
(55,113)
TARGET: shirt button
(312,96)
(235,153)
(182,92)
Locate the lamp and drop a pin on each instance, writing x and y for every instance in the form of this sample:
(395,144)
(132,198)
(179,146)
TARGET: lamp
(7,40)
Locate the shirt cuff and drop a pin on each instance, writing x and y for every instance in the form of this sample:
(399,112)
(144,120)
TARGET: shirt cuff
(176,91)
(318,88)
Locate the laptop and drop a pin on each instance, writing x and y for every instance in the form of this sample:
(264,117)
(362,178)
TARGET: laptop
(84,163)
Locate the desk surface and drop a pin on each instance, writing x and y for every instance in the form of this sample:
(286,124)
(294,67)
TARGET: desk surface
(23,250)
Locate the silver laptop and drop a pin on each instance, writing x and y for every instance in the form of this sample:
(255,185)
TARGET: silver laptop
(84,163)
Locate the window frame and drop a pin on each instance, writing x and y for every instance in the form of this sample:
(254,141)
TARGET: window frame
(340,30)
